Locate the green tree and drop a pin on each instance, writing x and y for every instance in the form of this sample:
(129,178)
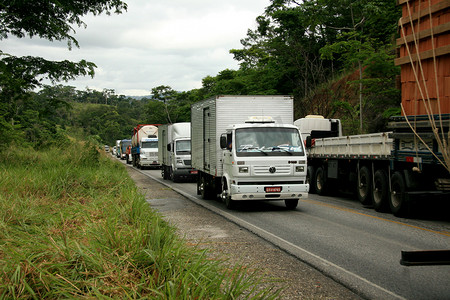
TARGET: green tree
(51,20)
(285,52)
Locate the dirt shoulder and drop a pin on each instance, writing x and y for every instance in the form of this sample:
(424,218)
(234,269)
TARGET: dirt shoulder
(224,239)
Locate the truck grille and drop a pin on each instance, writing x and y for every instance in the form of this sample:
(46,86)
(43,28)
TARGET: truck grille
(187,162)
(276,170)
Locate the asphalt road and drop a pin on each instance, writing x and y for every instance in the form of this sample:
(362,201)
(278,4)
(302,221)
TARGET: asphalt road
(356,246)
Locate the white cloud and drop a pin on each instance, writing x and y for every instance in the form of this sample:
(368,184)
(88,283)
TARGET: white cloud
(175,43)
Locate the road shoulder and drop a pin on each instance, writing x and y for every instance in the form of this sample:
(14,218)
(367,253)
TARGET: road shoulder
(226,240)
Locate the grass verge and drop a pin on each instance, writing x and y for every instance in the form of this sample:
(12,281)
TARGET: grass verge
(73,225)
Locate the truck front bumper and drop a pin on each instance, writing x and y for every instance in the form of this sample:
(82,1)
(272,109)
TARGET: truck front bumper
(185,172)
(269,192)
(149,162)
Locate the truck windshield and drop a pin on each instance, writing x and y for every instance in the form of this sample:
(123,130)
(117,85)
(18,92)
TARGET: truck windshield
(183,147)
(268,141)
(150,144)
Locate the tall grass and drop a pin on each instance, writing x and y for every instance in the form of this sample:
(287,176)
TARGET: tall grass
(73,225)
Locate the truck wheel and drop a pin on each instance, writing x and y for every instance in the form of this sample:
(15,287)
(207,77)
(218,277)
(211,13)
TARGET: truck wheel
(138,163)
(205,189)
(230,204)
(319,182)
(364,186)
(173,177)
(198,180)
(309,179)
(291,203)
(380,191)
(399,198)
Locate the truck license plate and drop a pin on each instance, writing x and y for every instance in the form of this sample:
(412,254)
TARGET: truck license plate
(193,172)
(272,189)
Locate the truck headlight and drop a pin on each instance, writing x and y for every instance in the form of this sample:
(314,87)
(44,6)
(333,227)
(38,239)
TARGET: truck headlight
(299,168)
(179,161)
(243,169)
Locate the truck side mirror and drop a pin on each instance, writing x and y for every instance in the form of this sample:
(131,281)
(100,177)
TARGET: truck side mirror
(168,147)
(223,141)
(308,142)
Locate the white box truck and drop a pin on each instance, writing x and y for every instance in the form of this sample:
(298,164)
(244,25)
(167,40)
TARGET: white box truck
(247,148)
(174,151)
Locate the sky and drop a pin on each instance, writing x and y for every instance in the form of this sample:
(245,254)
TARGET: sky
(156,42)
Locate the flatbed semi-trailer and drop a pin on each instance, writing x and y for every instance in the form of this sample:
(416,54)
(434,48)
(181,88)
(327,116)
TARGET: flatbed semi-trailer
(387,170)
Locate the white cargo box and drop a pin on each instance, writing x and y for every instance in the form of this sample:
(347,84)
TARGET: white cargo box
(211,117)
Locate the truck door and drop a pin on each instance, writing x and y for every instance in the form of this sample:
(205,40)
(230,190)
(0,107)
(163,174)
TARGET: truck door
(206,138)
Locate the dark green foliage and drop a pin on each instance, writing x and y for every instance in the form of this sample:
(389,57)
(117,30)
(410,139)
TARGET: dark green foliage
(24,117)
(312,50)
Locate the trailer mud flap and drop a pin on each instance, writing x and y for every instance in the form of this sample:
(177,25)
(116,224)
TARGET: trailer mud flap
(423,258)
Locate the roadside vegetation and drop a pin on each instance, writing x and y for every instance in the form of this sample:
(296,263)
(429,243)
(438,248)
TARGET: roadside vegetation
(73,224)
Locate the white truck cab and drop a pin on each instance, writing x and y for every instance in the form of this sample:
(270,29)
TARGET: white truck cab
(263,161)
(175,152)
(149,152)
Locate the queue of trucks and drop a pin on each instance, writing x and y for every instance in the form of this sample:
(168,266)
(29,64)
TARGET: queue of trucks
(248,148)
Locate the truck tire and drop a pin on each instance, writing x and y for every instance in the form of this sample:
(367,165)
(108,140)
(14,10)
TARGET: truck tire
(380,191)
(364,188)
(398,201)
(138,163)
(230,204)
(164,172)
(320,183)
(291,204)
(225,196)
(172,176)
(309,179)
(205,189)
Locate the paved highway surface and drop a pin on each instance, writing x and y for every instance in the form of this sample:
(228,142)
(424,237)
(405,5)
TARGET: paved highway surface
(356,246)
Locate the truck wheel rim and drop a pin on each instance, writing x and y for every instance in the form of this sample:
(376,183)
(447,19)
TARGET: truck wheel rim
(395,197)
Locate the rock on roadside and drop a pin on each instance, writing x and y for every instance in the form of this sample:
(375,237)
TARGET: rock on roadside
(203,228)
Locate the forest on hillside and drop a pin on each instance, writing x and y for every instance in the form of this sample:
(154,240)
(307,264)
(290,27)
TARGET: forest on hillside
(336,58)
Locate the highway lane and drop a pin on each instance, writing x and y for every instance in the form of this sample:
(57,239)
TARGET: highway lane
(356,246)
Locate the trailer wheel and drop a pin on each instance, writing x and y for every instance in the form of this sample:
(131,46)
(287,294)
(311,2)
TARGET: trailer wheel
(364,186)
(319,182)
(380,191)
(310,178)
(291,204)
(399,199)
